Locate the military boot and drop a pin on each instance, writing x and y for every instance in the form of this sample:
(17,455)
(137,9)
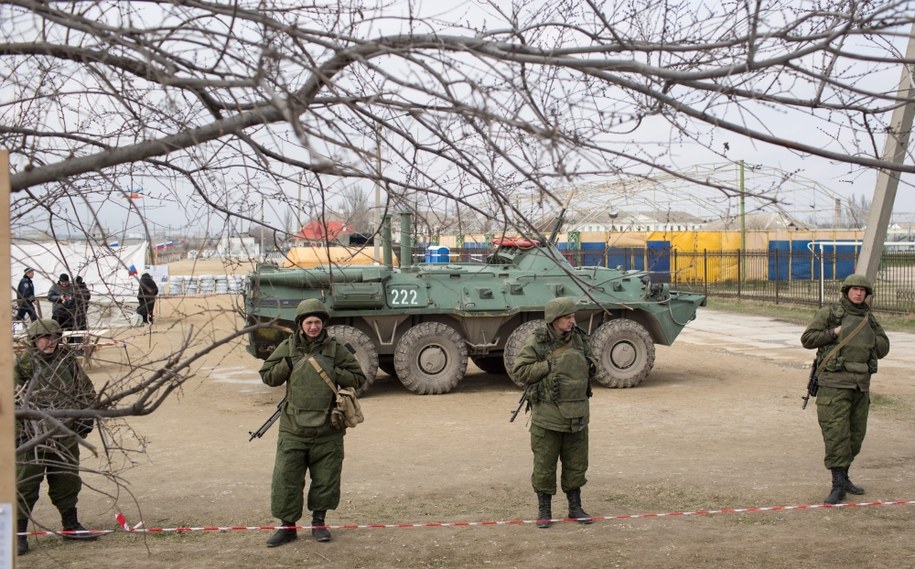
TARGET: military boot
(318,530)
(575,510)
(70,521)
(544,510)
(283,535)
(22,541)
(838,487)
(850,486)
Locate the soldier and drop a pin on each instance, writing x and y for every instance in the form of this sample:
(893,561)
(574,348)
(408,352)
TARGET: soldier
(307,442)
(849,341)
(556,365)
(48,376)
(25,294)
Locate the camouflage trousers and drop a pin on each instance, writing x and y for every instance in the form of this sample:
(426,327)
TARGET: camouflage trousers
(842,414)
(60,466)
(571,449)
(322,461)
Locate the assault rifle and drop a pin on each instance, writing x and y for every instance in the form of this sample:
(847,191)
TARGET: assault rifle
(521,403)
(813,383)
(269,422)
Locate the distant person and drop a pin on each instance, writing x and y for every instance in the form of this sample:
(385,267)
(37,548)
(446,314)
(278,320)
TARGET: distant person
(308,443)
(849,341)
(147,297)
(25,296)
(48,376)
(63,302)
(82,296)
(556,366)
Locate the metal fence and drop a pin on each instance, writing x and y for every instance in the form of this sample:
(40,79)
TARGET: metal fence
(782,277)
(801,278)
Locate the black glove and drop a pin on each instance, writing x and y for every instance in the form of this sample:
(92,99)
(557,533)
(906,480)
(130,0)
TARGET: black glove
(588,391)
(592,369)
(84,426)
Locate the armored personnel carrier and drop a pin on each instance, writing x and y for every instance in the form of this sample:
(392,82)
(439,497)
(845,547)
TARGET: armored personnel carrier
(422,322)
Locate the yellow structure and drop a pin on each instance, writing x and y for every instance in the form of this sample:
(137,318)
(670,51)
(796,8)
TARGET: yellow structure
(308,257)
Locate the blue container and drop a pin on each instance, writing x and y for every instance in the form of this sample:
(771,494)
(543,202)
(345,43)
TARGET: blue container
(437,254)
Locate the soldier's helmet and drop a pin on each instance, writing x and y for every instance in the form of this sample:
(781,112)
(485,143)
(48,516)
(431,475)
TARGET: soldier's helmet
(44,327)
(311,307)
(558,307)
(857,280)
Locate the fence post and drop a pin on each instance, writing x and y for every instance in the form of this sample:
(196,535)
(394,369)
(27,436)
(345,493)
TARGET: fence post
(739,272)
(705,271)
(776,275)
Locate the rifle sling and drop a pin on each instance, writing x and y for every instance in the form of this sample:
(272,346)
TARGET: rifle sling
(323,374)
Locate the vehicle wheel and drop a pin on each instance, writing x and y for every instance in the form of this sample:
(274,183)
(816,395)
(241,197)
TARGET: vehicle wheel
(490,364)
(366,354)
(430,358)
(514,344)
(625,353)
(386,365)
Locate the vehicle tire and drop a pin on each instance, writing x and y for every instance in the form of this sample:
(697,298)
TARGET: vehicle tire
(430,358)
(514,344)
(386,364)
(625,353)
(490,364)
(366,354)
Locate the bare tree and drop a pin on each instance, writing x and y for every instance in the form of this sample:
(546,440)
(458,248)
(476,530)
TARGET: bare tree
(222,107)
(356,210)
(856,209)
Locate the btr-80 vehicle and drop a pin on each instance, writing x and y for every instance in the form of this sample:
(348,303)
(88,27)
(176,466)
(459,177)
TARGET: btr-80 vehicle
(421,322)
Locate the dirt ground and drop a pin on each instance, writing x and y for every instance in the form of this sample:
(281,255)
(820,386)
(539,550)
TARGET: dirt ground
(709,429)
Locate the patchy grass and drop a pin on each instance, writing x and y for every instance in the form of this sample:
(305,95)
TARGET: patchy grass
(802,314)
(888,403)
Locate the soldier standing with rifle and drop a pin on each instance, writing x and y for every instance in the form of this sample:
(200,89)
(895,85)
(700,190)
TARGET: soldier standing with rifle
(308,442)
(849,341)
(556,365)
(48,377)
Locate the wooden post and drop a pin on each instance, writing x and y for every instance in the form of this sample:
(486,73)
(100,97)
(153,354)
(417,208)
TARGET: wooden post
(7,423)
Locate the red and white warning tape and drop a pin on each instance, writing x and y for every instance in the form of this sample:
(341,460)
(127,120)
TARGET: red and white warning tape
(138,528)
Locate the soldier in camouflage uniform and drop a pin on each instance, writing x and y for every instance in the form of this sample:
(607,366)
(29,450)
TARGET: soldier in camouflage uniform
(307,441)
(556,365)
(48,376)
(844,380)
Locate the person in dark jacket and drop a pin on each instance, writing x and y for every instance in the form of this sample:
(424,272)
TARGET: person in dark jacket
(849,341)
(48,376)
(556,365)
(308,442)
(146,295)
(81,296)
(63,302)
(25,295)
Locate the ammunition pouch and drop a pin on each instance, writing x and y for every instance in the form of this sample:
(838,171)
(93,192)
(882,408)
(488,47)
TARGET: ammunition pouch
(835,364)
(536,392)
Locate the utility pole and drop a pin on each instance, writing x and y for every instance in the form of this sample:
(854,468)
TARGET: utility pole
(897,142)
(377,217)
